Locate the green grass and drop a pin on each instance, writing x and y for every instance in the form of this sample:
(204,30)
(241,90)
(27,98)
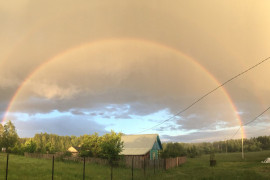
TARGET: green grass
(229,166)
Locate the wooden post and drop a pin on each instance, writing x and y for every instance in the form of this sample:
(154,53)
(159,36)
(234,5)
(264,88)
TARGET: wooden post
(7,166)
(154,166)
(52,167)
(165,164)
(111,171)
(144,166)
(242,147)
(132,167)
(83,168)
(226,146)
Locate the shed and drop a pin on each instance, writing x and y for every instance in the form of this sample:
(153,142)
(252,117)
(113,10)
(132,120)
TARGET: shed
(74,150)
(145,145)
(267,160)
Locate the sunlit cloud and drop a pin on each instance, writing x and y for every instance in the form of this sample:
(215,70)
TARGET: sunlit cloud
(77,70)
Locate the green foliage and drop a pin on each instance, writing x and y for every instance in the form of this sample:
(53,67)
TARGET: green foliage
(9,136)
(230,166)
(264,142)
(111,146)
(173,150)
(192,152)
(51,143)
(1,135)
(17,149)
(233,145)
(30,146)
(86,153)
(212,156)
(91,145)
(67,154)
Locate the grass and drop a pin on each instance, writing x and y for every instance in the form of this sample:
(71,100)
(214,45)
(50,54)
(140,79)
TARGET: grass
(229,166)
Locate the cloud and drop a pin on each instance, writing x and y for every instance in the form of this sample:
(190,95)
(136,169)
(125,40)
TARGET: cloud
(95,63)
(76,112)
(63,125)
(199,136)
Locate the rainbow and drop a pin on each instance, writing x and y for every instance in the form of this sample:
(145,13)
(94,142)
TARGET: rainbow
(99,42)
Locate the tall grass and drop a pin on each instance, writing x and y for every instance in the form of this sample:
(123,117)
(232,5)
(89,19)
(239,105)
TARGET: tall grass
(229,166)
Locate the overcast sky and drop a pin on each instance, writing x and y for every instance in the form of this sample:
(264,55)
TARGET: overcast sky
(79,67)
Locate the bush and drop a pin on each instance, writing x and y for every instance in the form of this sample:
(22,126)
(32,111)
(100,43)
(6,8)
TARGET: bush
(67,154)
(86,153)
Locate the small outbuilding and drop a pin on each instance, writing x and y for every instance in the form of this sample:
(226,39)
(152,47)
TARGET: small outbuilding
(146,146)
(267,160)
(4,149)
(74,150)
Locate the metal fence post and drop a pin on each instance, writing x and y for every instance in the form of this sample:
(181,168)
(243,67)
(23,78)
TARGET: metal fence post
(52,167)
(7,167)
(154,166)
(144,166)
(132,166)
(111,171)
(165,164)
(83,168)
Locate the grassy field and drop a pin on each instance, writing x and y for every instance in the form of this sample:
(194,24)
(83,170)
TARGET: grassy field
(229,166)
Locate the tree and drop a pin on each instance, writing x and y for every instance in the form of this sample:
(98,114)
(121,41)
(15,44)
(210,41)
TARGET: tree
(91,145)
(192,151)
(30,146)
(1,135)
(111,146)
(10,136)
(173,150)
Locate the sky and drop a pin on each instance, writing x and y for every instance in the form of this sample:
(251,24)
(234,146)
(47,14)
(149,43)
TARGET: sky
(79,67)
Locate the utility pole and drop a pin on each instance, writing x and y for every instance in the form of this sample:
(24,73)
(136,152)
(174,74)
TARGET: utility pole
(242,143)
(226,146)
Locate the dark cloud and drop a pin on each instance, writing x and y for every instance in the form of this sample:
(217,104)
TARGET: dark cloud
(64,125)
(76,112)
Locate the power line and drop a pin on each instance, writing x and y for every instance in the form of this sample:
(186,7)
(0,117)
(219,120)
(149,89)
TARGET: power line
(205,95)
(250,121)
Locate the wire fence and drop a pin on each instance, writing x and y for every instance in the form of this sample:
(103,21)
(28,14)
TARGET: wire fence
(130,167)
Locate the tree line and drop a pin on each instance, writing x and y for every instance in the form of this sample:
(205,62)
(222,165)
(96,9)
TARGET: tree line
(233,145)
(108,145)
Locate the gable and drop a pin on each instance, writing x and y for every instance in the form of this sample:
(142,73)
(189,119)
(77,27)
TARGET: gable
(72,149)
(156,146)
(140,144)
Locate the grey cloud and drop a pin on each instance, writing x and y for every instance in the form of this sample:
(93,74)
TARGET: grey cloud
(123,116)
(64,125)
(76,112)
(93,114)
(199,136)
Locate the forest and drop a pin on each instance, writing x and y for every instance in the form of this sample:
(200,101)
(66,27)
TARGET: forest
(93,145)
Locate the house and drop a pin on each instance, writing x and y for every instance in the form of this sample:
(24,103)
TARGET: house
(4,149)
(74,150)
(145,146)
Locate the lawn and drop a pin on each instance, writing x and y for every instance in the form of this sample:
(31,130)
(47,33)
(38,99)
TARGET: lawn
(229,166)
